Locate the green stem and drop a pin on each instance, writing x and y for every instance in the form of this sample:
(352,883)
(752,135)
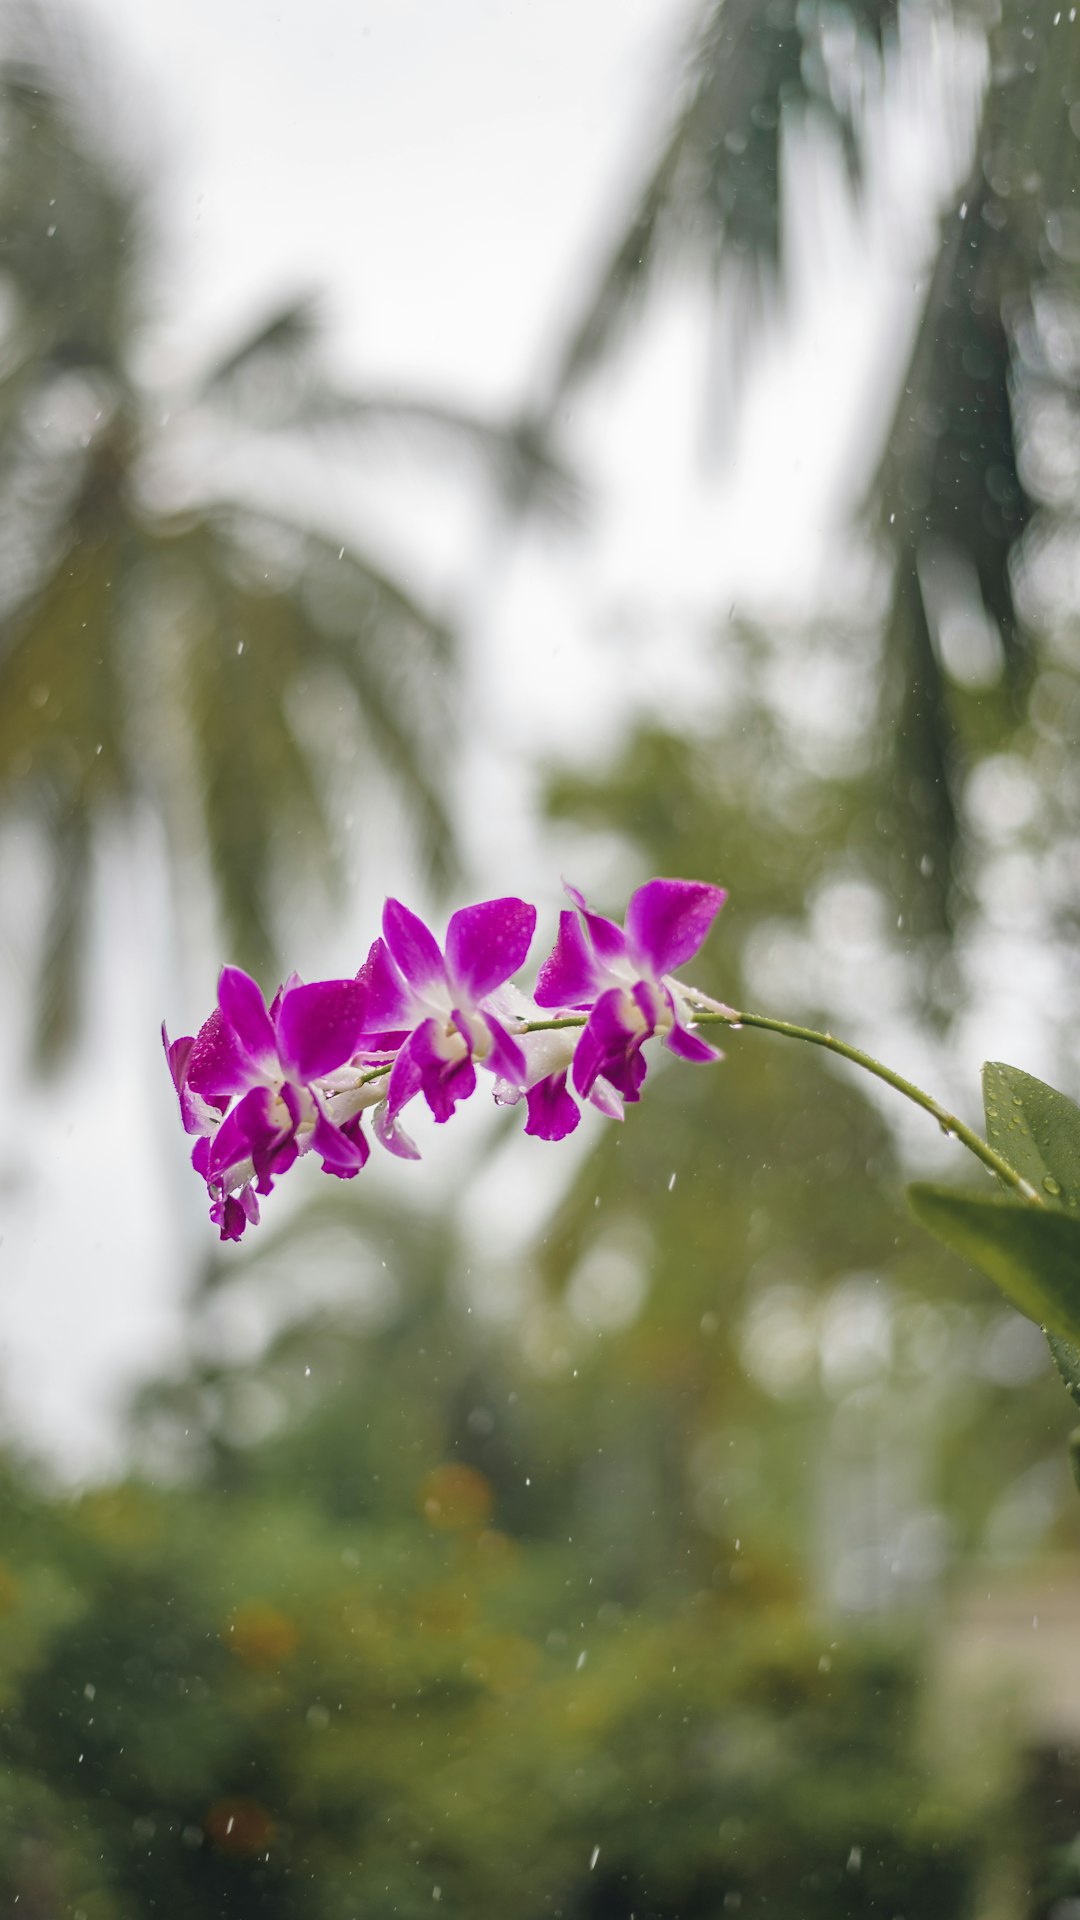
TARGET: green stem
(948,1122)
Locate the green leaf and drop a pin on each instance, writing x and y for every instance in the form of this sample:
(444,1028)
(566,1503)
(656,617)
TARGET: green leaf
(1036,1129)
(1031,1253)
(1067,1362)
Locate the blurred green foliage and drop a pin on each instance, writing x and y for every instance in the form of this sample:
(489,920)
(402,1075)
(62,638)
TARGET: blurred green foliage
(223,1703)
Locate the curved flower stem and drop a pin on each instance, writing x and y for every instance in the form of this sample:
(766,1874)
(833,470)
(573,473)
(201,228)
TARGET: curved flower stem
(948,1122)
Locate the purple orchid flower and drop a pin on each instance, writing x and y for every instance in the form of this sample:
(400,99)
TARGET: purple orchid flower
(442,1002)
(288,1067)
(624,978)
(553,1113)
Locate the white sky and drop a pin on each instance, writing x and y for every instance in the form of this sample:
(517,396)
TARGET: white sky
(445,173)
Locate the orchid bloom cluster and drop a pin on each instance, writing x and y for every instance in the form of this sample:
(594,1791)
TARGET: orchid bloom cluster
(262,1085)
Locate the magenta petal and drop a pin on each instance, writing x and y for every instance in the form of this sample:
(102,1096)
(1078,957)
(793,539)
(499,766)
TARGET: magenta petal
(444,1082)
(261,1129)
(668,921)
(485,944)
(405,1078)
(388,998)
(177,1053)
(506,1058)
(392,1136)
(319,1028)
(610,1045)
(230,1217)
(609,940)
(198,1114)
(341,1153)
(569,977)
(230,1147)
(216,1065)
(553,1111)
(688,1047)
(413,946)
(605,1099)
(244,1010)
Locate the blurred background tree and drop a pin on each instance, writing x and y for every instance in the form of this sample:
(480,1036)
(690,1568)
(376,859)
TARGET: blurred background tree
(620,1569)
(171,638)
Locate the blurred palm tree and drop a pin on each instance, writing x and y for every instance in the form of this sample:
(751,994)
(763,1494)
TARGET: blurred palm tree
(161,634)
(947,485)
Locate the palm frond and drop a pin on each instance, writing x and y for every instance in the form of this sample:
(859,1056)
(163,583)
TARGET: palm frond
(949,472)
(62,963)
(276,346)
(712,187)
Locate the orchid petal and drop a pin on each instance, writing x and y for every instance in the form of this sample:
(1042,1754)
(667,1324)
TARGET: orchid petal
(406,1078)
(230,1217)
(485,944)
(688,1046)
(231,1146)
(392,1136)
(413,946)
(605,1099)
(319,1028)
(388,999)
(217,1066)
(197,1114)
(506,1058)
(667,922)
(569,977)
(608,939)
(444,1081)
(611,1044)
(244,1010)
(342,1154)
(177,1053)
(553,1111)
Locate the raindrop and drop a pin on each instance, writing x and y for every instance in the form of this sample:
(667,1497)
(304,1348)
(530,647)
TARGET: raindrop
(341,553)
(49,231)
(593,1858)
(854,1860)
(1051,1185)
(581,1659)
(671,1184)
(963,209)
